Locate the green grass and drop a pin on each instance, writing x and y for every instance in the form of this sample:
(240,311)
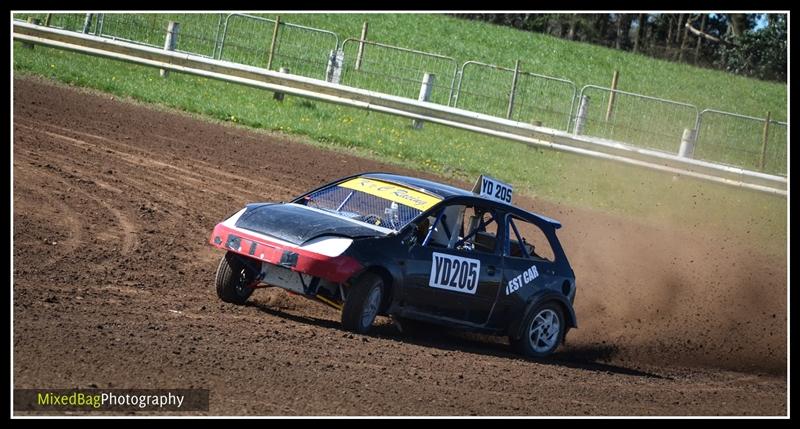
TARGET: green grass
(635,121)
(557,177)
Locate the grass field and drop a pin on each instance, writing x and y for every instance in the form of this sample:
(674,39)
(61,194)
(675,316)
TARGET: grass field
(549,175)
(547,102)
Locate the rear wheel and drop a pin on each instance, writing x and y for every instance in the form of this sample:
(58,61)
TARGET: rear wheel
(233,279)
(543,331)
(362,303)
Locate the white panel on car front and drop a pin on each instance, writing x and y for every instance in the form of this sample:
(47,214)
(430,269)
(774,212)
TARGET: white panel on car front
(231,221)
(328,246)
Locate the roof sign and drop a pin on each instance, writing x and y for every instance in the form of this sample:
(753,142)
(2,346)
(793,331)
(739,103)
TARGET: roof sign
(493,189)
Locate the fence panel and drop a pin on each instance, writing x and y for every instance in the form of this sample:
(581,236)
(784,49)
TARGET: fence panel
(735,139)
(197,35)
(303,50)
(397,71)
(538,99)
(63,21)
(636,119)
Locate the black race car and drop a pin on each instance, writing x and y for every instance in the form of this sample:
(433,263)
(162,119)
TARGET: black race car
(413,249)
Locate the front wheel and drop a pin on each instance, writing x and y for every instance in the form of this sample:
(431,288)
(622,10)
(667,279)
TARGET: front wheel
(543,331)
(233,280)
(362,303)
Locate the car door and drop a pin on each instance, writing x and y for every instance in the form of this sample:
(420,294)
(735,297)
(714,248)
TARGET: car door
(528,267)
(450,273)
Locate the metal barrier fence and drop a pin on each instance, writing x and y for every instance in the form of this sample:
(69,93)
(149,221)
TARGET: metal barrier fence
(247,39)
(397,71)
(740,140)
(401,106)
(65,21)
(197,35)
(639,120)
(514,94)
(636,119)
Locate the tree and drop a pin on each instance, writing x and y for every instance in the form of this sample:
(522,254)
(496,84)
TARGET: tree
(700,39)
(760,53)
(640,25)
(726,41)
(623,30)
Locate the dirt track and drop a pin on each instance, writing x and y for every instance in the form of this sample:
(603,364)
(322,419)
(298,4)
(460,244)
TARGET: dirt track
(113,287)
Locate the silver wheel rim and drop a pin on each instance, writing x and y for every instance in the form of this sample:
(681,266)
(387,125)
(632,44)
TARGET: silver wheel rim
(544,332)
(371,307)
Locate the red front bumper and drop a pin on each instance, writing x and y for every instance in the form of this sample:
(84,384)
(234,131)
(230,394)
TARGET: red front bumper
(336,269)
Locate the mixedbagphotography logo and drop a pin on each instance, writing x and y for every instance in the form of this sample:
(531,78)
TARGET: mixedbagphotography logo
(151,400)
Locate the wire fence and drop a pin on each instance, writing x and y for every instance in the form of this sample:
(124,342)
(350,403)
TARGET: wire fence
(197,34)
(397,71)
(304,51)
(639,120)
(514,94)
(739,140)
(635,119)
(63,21)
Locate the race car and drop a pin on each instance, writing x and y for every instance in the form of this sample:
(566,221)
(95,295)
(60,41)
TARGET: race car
(415,250)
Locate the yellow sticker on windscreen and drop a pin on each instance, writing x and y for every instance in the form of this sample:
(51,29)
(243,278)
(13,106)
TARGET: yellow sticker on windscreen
(399,194)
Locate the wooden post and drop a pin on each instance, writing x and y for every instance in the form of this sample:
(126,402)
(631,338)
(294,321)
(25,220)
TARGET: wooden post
(764,143)
(170,42)
(360,53)
(272,44)
(34,21)
(510,109)
(47,19)
(279,95)
(613,95)
(424,95)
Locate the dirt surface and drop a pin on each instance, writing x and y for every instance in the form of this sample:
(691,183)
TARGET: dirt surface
(113,287)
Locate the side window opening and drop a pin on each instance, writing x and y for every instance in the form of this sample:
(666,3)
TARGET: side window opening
(465,228)
(526,240)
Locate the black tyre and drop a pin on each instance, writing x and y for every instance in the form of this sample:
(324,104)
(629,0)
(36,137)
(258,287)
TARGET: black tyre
(362,304)
(233,279)
(542,331)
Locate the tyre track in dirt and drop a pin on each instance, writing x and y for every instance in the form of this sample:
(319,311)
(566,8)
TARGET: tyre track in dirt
(143,313)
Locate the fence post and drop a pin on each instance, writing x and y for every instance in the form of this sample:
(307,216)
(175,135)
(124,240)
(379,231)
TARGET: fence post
(34,21)
(687,143)
(272,44)
(360,53)
(98,29)
(47,19)
(170,42)
(279,95)
(583,110)
(424,95)
(333,73)
(613,94)
(764,143)
(87,22)
(513,91)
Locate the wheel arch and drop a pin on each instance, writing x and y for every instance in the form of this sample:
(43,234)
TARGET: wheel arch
(388,283)
(516,327)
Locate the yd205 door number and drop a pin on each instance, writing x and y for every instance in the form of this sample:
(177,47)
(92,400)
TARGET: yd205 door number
(454,273)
